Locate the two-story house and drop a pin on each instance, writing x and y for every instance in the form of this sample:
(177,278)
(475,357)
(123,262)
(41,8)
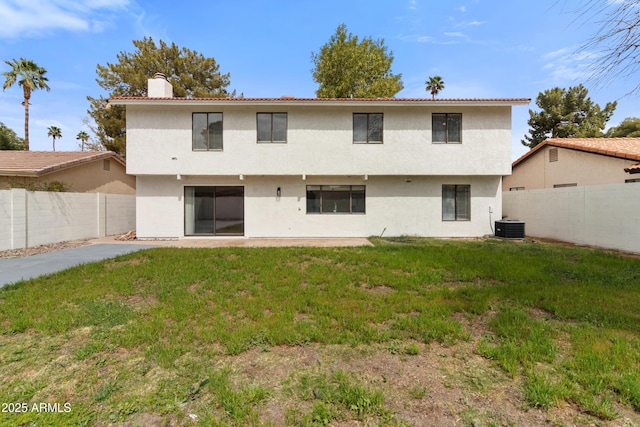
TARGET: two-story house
(300,167)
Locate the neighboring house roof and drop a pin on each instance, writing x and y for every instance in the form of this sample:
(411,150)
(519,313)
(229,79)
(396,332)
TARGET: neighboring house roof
(38,163)
(290,100)
(623,148)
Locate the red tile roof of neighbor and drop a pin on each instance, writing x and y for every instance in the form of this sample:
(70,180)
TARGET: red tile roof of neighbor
(633,169)
(38,163)
(623,148)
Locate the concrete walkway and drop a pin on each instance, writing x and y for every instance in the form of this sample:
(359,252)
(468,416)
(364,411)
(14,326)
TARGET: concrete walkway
(15,269)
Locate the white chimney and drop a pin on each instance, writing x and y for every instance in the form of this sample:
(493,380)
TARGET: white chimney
(159,87)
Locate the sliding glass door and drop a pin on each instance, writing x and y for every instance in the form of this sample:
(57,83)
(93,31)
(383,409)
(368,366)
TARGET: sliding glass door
(210,210)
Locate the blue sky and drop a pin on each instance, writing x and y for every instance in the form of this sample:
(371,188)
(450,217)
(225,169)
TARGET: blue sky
(481,48)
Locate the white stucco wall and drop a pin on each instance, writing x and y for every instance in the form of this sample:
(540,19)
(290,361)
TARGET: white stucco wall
(597,215)
(319,142)
(393,206)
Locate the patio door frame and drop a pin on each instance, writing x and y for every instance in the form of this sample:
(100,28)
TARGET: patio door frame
(214,210)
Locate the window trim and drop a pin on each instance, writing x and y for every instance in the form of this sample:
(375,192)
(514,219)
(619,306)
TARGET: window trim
(446,137)
(457,215)
(368,141)
(272,141)
(208,142)
(351,192)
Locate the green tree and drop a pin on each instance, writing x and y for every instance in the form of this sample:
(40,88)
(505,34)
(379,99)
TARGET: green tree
(190,73)
(31,77)
(83,137)
(345,68)
(566,113)
(54,132)
(628,128)
(9,140)
(434,85)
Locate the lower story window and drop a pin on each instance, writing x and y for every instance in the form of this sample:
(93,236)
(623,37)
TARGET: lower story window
(456,202)
(335,199)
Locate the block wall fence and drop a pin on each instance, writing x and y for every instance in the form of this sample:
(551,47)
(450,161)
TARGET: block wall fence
(32,218)
(607,216)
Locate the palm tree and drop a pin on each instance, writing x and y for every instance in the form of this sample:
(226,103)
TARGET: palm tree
(84,137)
(434,85)
(31,77)
(54,132)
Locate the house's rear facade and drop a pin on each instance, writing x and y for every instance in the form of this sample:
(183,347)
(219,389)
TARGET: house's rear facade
(290,167)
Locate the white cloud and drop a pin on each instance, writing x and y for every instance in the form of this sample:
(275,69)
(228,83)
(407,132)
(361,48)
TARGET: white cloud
(416,38)
(469,24)
(413,4)
(567,65)
(38,17)
(462,9)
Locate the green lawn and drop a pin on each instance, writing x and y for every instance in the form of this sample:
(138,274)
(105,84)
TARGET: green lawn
(272,336)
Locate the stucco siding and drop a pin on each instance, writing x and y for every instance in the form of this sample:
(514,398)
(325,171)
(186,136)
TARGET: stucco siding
(393,206)
(319,141)
(571,167)
(85,178)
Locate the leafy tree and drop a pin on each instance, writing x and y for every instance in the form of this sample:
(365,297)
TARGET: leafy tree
(190,73)
(345,68)
(628,128)
(434,85)
(9,140)
(84,137)
(31,77)
(566,113)
(54,132)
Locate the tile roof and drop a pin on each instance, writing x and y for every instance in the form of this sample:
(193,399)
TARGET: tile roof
(633,169)
(623,148)
(293,100)
(38,163)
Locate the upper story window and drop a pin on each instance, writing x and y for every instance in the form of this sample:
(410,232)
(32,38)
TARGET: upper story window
(367,128)
(272,127)
(446,128)
(207,131)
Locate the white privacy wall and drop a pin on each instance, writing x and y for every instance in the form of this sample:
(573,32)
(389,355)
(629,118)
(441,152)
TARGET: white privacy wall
(607,216)
(32,218)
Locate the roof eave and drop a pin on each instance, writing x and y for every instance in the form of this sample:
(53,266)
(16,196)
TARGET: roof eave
(506,102)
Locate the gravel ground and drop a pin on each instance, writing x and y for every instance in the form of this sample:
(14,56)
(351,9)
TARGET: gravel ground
(19,253)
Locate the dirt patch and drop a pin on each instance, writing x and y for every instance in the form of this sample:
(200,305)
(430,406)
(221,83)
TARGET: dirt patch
(438,385)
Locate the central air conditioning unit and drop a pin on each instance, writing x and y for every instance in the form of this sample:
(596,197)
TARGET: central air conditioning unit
(510,229)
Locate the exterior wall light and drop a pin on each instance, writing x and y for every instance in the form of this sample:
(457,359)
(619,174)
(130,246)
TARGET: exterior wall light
(278,193)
